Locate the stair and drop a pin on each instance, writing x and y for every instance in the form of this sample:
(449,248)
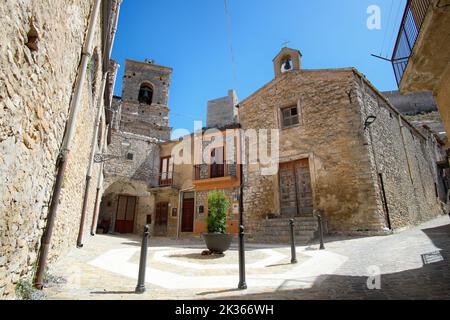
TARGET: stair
(277,231)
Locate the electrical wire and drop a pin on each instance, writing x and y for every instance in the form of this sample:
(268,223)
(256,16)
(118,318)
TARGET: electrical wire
(388,23)
(230,40)
(396,19)
(184,115)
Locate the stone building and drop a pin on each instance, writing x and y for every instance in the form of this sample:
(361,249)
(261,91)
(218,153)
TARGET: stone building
(40,55)
(420,109)
(421,57)
(143,182)
(218,169)
(223,112)
(139,124)
(181,193)
(345,152)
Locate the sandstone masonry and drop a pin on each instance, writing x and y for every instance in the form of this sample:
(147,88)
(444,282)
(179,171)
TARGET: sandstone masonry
(365,177)
(39,58)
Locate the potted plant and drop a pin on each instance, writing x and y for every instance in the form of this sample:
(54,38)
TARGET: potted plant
(217,240)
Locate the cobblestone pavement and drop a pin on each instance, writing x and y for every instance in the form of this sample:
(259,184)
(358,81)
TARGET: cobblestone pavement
(414,264)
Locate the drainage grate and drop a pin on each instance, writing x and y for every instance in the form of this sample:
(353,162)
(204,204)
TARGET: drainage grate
(433,257)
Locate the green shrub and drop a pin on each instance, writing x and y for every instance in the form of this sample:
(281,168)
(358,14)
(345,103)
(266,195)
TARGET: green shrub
(218,206)
(25,289)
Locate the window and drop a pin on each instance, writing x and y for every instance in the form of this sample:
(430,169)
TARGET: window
(290,116)
(217,163)
(146,94)
(166,171)
(130,156)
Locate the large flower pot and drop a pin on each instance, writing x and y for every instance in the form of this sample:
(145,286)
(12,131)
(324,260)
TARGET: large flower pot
(218,242)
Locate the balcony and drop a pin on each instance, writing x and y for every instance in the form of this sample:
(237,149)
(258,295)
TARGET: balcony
(214,171)
(410,28)
(163,181)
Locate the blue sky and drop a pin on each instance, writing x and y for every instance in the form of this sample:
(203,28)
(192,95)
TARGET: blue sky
(193,37)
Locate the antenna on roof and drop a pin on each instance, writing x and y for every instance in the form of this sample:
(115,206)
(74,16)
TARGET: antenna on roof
(284,44)
(382,58)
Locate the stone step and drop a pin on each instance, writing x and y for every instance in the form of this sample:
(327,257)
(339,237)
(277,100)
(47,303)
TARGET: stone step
(284,227)
(278,230)
(299,241)
(283,238)
(287,224)
(287,229)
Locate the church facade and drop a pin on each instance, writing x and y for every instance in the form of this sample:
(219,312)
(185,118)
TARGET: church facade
(345,152)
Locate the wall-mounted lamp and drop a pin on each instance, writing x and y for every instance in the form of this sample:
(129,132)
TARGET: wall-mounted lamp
(104,157)
(369,121)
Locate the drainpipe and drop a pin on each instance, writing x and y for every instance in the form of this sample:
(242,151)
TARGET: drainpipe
(400,121)
(99,187)
(95,136)
(66,146)
(91,165)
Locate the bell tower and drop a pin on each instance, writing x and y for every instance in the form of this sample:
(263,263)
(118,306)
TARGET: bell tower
(287,60)
(145,96)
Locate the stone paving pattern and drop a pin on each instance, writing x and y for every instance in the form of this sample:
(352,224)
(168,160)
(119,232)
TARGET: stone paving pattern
(414,265)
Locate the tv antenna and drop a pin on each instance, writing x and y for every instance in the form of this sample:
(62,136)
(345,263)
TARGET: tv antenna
(382,58)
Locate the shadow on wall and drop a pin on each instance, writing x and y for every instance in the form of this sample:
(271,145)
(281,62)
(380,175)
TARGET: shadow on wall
(432,281)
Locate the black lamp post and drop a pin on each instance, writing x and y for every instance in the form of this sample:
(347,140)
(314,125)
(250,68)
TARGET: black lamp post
(242,283)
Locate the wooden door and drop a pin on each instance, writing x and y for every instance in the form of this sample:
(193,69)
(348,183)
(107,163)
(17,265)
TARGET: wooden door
(288,192)
(304,189)
(126,210)
(296,196)
(187,222)
(161,218)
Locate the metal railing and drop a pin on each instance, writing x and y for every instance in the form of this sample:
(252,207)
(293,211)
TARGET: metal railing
(162,180)
(215,171)
(415,13)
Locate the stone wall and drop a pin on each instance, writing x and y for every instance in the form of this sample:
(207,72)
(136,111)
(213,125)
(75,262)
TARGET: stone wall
(35,94)
(413,103)
(442,96)
(133,168)
(328,135)
(331,134)
(406,158)
(222,112)
(135,157)
(139,118)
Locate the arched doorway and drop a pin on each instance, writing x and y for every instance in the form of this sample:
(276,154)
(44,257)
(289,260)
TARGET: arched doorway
(125,207)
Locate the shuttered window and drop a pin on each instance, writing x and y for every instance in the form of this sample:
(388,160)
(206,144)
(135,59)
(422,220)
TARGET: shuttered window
(290,116)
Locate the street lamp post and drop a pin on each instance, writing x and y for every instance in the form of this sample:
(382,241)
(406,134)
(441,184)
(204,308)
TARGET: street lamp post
(242,283)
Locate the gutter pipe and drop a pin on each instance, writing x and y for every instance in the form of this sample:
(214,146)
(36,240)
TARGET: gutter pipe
(66,146)
(109,46)
(99,187)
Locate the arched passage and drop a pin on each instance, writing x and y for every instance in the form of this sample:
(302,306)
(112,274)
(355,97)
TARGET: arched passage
(125,207)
